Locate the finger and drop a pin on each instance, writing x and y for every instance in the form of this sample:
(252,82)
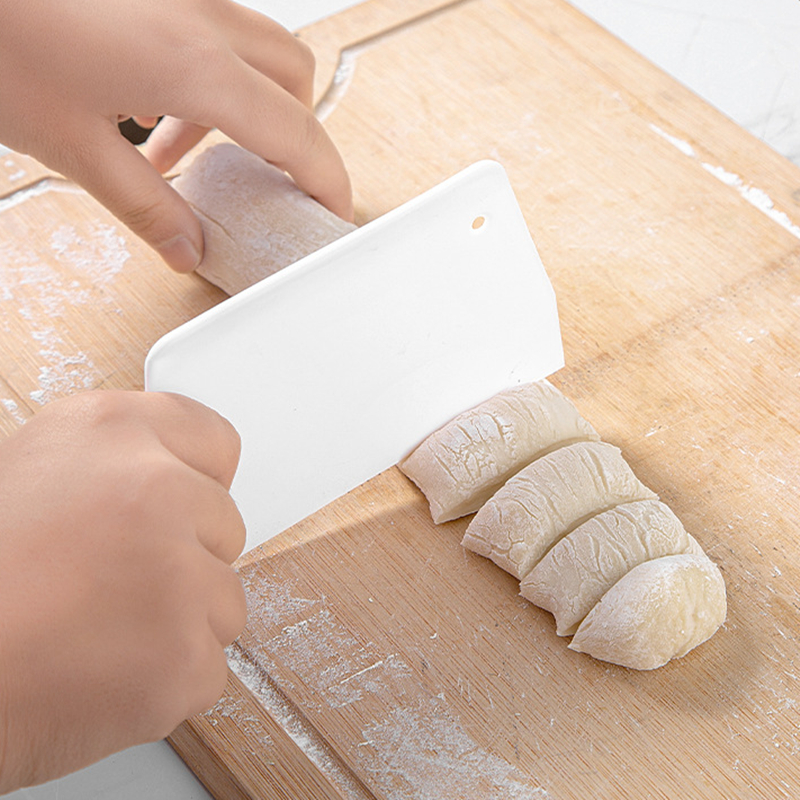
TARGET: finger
(221,528)
(145,122)
(227,613)
(171,140)
(267,120)
(273,50)
(193,432)
(120,177)
(205,689)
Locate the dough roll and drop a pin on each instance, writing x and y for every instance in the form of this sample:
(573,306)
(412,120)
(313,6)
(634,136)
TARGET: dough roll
(573,576)
(660,610)
(255,219)
(461,465)
(548,499)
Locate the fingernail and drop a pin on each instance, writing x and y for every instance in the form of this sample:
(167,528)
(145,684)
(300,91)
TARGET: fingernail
(180,254)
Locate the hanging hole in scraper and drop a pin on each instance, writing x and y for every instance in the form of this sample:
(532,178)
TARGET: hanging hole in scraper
(478,223)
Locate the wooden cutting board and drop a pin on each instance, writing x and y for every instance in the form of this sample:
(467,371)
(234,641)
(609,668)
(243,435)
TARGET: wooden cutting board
(383,661)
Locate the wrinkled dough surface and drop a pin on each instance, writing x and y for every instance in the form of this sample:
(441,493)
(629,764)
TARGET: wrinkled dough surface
(660,610)
(461,465)
(548,499)
(255,219)
(573,576)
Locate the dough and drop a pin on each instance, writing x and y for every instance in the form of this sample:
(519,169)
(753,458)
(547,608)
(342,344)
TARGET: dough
(461,465)
(570,580)
(255,219)
(660,610)
(548,499)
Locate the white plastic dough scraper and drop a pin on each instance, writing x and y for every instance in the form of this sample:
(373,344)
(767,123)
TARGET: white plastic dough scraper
(334,368)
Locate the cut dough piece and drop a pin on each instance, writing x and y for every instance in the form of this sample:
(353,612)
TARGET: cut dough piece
(461,465)
(570,580)
(255,219)
(660,610)
(548,499)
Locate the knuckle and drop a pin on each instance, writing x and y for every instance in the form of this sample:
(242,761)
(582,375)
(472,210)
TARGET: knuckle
(101,408)
(302,137)
(144,214)
(150,494)
(192,47)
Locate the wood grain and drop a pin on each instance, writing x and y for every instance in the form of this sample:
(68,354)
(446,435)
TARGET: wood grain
(381,660)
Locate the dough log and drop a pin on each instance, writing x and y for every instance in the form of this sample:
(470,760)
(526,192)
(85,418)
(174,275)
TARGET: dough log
(547,500)
(660,610)
(570,580)
(461,465)
(255,219)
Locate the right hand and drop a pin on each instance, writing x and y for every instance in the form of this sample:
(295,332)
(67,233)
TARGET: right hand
(116,595)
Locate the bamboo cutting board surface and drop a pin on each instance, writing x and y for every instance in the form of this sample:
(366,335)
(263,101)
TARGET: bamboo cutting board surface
(382,660)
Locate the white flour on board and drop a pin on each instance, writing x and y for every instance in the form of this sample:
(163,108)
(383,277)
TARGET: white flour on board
(422,752)
(417,750)
(13,409)
(250,724)
(324,654)
(295,726)
(15,172)
(756,197)
(42,297)
(61,374)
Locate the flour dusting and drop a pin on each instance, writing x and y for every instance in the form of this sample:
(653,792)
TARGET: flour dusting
(757,198)
(411,746)
(325,655)
(43,186)
(61,374)
(680,144)
(13,409)
(274,601)
(15,172)
(43,297)
(99,257)
(422,752)
(250,724)
(294,724)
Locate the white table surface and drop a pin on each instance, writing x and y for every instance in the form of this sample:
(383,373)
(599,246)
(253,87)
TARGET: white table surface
(742,56)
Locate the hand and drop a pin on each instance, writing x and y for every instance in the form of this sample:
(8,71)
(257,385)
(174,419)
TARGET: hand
(116,594)
(69,71)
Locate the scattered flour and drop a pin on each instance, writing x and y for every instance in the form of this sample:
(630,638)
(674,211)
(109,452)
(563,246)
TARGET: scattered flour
(18,172)
(422,752)
(295,725)
(61,374)
(13,409)
(323,654)
(33,290)
(416,750)
(682,145)
(756,197)
(40,187)
(99,257)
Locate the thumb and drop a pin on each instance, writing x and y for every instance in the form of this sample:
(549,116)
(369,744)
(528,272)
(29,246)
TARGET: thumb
(115,173)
